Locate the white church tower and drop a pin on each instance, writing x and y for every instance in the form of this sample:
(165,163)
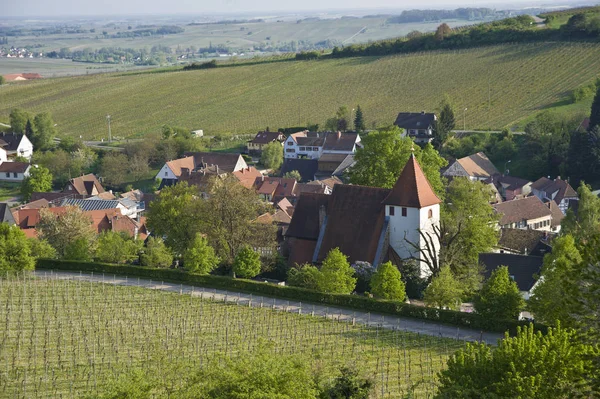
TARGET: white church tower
(412,207)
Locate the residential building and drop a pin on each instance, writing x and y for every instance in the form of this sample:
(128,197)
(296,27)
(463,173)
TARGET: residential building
(172,169)
(312,145)
(274,189)
(306,167)
(14,171)
(126,206)
(511,187)
(526,213)
(523,269)
(367,224)
(86,185)
(256,145)
(417,125)
(16,145)
(6,215)
(247,176)
(523,242)
(341,143)
(197,161)
(557,190)
(475,167)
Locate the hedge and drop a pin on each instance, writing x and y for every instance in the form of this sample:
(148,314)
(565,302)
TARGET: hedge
(459,319)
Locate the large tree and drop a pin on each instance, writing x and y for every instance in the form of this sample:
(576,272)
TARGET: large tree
(62,229)
(499,298)
(359,120)
(384,155)
(386,283)
(39,180)
(156,254)
(113,168)
(595,113)
(18,120)
(444,291)
(444,125)
(272,155)
(337,276)
(200,257)
(44,131)
(247,263)
(15,251)
(117,247)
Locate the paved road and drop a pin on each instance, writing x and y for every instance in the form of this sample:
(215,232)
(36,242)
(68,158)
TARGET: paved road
(373,319)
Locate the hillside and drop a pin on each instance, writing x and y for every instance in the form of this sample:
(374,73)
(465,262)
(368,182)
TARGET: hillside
(520,80)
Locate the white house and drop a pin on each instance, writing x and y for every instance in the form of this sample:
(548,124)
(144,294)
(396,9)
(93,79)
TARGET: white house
(417,125)
(312,145)
(557,190)
(475,167)
(16,145)
(14,171)
(194,161)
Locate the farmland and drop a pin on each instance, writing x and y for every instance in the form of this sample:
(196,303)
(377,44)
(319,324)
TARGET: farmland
(499,86)
(65,338)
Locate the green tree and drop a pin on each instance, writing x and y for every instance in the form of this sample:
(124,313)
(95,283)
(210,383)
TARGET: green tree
(444,125)
(18,120)
(116,247)
(349,385)
(39,180)
(156,254)
(44,131)
(442,32)
(15,252)
(272,155)
(2,80)
(293,174)
(444,291)
(200,257)
(41,249)
(595,112)
(306,276)
(586,221)
(58,162)
(29,132)
(387,283)
(359,120)
(337,276)
(113,168)
(499,298)
(247,263)
(384,155)
(530,365)
(81,249)
(68,227)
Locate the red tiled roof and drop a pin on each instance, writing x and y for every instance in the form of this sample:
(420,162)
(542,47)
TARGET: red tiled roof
(267,137)
(84,185)
(247,176)
(178,164)
(14,167)
(412,189)
(521,209)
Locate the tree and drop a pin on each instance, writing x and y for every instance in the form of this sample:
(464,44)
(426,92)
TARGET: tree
(445,124)
(29,132)
(359,120)
(2,80)
(349,385)
(18,120)
(62,229)
(384,155)
(44,131)
(595,113)
(387,283)
(113,168)
(499,298)
(272,155)
(586,221)
(293,174)
(116,247)
(58,162)
(81,249)
(15,252)
(247,263)
(306,276)
(444,291)
(200,257)
(337,277)
(530,365)
(41,249)
(442,32)
(39,180)
(138,166)
(156,254)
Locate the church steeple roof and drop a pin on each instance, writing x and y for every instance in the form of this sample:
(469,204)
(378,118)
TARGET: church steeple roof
(412,189)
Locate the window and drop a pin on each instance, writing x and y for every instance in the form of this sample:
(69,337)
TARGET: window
(166,173)
(315,148)
(391,211)
(404,212)
(430,214)
(15,175)
(290,143)
(290,150)
(7,174)
(302,149)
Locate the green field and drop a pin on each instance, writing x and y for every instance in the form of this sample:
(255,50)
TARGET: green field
(62,338)
(499,85)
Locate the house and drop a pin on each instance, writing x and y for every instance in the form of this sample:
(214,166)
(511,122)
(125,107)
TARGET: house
(6,215)
(274,189)
(328,182)
(126,207)
(16,145)
(256,145)
(247,176)
(306,167)
(475,167)
(523,269)
(54,197)
(312,145)
(367,224)
(417,125)
(557,190)
(86,185)
(341,143)
(511,187)
(172,169)
(523,242)
(526,213)
(14,171)
(197,161)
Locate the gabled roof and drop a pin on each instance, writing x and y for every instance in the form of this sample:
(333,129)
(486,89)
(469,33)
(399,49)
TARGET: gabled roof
(226,162)
(315,187)
(310,141)
(275,186)
(557,215)
(266,137)
(279,217)
(14,167)
(177,164)
(37,204)
(286,206)
(305,221)
(412,189)
(478,165)
(247,176)
(85,184)
(306,167)
(52,196)
(6,215)
(340,141)
(523,241)
(327,181)
(346,164)
(22,76)
(521,268)
(561,187)
(510,182)
(90,205)
(521,209)
(414,120)
(10,141)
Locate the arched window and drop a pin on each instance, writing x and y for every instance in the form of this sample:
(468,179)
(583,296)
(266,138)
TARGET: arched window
(430,215)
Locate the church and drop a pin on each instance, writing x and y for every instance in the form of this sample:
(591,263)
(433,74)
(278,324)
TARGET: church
(367,224)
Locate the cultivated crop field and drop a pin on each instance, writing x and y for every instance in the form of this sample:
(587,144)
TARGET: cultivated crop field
(499,86)
(66,339)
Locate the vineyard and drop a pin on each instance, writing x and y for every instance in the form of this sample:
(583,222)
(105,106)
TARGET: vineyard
(498,85)
(67,338)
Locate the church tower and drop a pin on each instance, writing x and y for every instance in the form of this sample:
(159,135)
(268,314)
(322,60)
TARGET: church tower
(413,206)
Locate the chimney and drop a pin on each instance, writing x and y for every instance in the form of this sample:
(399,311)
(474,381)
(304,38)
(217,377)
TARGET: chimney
(322,214)
(262,178)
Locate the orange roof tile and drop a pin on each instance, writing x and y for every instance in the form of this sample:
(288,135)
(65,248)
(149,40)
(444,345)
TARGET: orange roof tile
(247,176)
(412,189)
(177,164)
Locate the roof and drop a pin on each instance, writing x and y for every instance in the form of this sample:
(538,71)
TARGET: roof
(276,186)
(107,195)
(522,268)
(226,162)
(279,217)
(29,218)
(340,141)
(414,120)
(510,182)
(90,205)
(6,215)
(26,76)
(478,165)
(311,141)
(305,221)
(10,141)
(266,137)
(306,167)
(247,176)
(134,195)
(327,181)
(557,215)
(313,187)
(556,189)
(333,158)
(14,167)
(286,206)
(523,241)
(51,196)
(178,164)
(37,204)
(521,209)
(347,163)
(412,189)
(355,218)
(268,187)
(85,184)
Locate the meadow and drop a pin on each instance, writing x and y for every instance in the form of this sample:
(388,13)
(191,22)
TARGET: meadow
(498,85)
(67,339)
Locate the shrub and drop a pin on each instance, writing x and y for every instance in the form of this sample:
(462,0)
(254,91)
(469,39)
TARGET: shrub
(41,249)
(306,276)
(337,277)
(247,263)
(444,291)
(156,254)
(499,298)
(115,247)
(387,283)
(15,253)
(200,257)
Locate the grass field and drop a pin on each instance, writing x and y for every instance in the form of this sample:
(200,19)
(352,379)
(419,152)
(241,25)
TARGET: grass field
(499,86)
(65,339)
(9,190)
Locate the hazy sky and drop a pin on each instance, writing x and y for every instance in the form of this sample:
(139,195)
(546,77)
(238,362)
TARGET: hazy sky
(120,7)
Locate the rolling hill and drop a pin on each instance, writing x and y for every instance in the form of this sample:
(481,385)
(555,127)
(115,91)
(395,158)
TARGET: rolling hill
(499,85)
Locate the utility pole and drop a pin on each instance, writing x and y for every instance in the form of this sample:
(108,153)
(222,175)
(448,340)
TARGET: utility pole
(489,96)
(465,120)
(109,134)
(351,122)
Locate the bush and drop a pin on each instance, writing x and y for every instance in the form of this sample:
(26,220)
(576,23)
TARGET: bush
(306,276)
(204,65)
(200,257)
(247,263)
(337,277)
(467,320)
(387,283)
(114,247)
(15,252)
(499,298)
(444,291)
(41,249)
(80,249)
(156,254)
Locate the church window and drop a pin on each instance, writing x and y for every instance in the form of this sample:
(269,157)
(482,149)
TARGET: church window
(404,212)
(430,214)
(391,211)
